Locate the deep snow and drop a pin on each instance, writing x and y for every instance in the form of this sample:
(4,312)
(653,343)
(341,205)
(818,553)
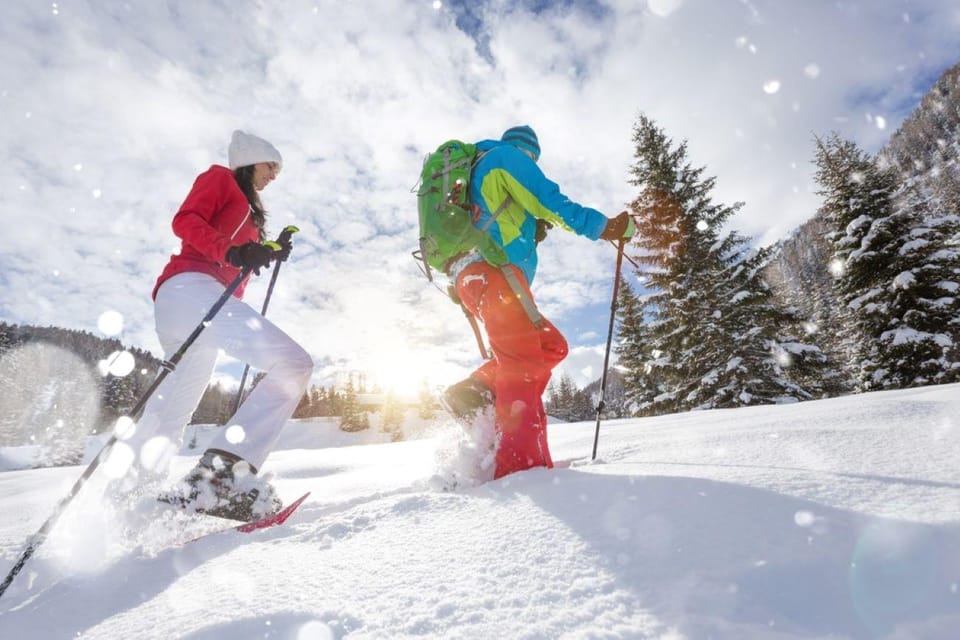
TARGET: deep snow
(828,519)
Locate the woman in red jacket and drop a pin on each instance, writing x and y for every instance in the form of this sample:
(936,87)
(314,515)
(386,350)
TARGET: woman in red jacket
(222,225)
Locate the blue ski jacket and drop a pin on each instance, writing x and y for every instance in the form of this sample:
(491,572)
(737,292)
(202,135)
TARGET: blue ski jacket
(503,172)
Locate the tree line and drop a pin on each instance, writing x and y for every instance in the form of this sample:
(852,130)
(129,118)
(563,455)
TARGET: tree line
(870,303)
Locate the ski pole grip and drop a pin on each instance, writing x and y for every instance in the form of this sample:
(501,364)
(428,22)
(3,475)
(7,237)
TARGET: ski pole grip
(283,238)
(287,233)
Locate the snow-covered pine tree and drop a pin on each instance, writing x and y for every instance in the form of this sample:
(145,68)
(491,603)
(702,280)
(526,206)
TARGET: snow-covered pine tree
(800,276)
(855,194)
(894,270)
(761,328)
(712,326)
(923,336)
(634,352)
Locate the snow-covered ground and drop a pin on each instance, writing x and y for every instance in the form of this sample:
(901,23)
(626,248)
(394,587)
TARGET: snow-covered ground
(829,519)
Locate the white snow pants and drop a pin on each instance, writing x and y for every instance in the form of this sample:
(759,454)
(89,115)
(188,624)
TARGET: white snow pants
(239,331)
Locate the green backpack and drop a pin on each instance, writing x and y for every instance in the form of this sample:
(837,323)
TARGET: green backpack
(447,216)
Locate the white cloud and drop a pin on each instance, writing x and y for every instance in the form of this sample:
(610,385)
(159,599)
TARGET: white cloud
(143,96)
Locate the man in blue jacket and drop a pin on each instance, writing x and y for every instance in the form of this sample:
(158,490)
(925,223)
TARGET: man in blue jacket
(508,186)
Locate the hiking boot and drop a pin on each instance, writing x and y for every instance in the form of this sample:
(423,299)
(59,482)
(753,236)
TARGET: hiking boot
(226,486)
(467,399)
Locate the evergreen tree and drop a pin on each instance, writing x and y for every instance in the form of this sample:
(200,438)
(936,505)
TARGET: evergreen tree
(921,342)
(304,408)
(803,286)
(319,402)
(894,270)
(393,417)
(426,405)
(352,418)
(215,406)
(583,406)
(335,402)
(565,407)
(634,352)
(711,322)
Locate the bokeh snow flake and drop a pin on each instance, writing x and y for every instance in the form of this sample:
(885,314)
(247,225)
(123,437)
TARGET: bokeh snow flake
(118,460)
(804,518)
(110,323)
(836,267)
(743,43)
(118,363)
(812,71)
(124,427)
(771,86)
(316,629)
(663,8)
(784,358)
(235,434)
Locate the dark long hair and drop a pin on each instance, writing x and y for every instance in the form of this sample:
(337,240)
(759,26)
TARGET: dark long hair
(244,178)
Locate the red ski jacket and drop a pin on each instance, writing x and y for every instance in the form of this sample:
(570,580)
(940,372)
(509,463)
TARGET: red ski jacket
(214,217)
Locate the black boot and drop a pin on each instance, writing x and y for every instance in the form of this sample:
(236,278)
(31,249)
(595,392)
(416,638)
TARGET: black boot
(224,485)
(467,399)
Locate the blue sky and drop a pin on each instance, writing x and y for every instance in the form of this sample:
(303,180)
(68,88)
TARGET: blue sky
(111,110)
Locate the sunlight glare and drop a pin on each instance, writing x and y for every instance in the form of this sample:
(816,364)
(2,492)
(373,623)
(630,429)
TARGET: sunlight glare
(403,371)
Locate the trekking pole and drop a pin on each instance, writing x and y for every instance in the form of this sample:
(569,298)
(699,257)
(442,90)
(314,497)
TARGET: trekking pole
(476,332)
(284,237)
(606,357)
(167,367)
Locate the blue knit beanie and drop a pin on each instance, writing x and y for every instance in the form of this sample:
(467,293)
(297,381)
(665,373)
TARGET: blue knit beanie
(523,137)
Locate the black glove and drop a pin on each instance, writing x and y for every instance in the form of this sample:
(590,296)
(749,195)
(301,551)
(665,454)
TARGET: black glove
(541,233)
(619,227)
(252,255)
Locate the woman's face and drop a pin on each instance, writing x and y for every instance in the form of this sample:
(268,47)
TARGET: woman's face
(264,173)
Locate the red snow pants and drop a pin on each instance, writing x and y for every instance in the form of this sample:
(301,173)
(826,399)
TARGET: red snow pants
(524,354)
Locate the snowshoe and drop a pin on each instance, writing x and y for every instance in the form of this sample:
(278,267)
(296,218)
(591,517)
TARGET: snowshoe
(226,486)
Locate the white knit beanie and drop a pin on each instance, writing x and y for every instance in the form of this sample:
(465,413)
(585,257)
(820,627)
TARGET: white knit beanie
(246,149)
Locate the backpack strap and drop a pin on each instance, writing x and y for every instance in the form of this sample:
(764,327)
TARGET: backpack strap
(503,205)
(459,261)
(496,214)
(525,300)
